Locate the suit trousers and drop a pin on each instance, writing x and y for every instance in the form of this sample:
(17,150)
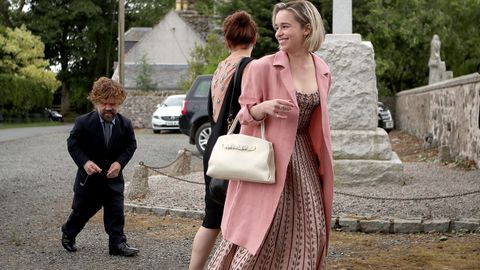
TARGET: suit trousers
(85,206)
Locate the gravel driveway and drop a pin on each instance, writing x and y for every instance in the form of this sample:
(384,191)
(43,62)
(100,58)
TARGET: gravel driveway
(36,177)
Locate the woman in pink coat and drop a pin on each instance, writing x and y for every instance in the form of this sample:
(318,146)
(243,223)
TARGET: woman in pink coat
(285,225)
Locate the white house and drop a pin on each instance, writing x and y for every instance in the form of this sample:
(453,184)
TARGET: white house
(167,48)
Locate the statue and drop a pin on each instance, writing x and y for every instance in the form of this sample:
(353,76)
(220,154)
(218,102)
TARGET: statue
(437,67)
(434,50)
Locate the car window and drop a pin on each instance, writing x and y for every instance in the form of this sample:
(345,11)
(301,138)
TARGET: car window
(202,89)
(173,101)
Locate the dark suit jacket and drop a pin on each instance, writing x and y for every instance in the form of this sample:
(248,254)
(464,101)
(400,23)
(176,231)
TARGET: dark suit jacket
(86,142)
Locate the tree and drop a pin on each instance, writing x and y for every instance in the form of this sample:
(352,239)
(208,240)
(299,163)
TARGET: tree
(81,38)
(10,11)
(68,29)
(144,75)
(21,54)
(146,13)
(261,12)
(401,31)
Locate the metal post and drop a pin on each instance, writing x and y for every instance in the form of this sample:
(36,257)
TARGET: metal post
(121,42)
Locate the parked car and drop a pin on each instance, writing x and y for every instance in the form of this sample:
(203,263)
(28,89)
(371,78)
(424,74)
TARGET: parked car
(385,119)
(54,115)
(167,113)
(194,121)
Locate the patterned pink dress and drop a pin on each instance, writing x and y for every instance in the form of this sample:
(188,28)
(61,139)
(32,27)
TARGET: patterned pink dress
(297,236)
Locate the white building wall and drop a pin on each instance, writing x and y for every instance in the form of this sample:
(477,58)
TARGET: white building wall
(170,42)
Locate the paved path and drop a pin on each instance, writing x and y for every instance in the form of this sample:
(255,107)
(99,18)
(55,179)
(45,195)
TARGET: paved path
(36,178)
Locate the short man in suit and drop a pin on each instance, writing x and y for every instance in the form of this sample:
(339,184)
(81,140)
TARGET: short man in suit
(101,143)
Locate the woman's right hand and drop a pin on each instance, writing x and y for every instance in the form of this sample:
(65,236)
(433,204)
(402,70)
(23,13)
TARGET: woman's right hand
(277,108)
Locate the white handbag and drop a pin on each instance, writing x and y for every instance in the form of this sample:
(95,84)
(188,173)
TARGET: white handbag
(242,157)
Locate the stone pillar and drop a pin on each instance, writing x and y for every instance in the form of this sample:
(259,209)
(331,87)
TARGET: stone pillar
(138,187)
(183,164)
(362,152)
(342,17)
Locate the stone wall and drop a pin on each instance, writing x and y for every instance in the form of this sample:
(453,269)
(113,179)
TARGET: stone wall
(139,106)
(166,77)
(448,112)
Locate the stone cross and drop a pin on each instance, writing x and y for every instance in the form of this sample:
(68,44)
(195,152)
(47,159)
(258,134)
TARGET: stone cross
(342,16)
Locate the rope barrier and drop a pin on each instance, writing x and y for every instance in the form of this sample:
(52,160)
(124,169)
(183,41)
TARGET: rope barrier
(170,176)
(156,169)
(406,199)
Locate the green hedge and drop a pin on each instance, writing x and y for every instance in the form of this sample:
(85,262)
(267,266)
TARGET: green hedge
(19,96)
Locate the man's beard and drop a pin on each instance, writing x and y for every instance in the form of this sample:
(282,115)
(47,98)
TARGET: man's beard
(108,115)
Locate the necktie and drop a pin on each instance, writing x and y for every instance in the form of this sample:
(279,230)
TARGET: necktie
(107,131)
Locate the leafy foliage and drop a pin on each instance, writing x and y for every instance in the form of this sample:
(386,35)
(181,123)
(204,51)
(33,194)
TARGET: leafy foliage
(205,7)
(21,54)
(401,31)
(146,13)
(21,96)
(144,75)
(81,37)
(204,60)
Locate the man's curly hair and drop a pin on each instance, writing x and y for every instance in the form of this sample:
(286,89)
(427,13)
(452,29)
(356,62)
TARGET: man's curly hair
(104,89)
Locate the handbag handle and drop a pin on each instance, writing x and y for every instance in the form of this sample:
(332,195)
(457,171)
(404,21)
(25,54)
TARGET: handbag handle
(235,122)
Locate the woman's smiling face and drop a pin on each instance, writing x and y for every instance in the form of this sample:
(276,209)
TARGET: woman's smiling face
(289,33)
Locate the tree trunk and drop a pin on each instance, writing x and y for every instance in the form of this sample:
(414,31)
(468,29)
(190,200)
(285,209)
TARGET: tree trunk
(65,102)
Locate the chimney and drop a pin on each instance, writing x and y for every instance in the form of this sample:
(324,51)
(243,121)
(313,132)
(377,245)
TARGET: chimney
(182,5)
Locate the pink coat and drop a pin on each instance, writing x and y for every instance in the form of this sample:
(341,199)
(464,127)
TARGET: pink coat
(250,207)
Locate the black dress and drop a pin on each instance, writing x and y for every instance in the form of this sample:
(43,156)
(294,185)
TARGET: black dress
(230,108)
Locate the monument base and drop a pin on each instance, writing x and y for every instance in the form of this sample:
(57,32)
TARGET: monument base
(361,144)
(368,172)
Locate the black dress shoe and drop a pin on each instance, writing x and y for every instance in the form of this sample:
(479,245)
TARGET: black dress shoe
(123,249)
(68,244)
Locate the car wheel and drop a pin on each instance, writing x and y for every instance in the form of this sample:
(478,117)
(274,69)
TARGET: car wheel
(201,137)
(156,131)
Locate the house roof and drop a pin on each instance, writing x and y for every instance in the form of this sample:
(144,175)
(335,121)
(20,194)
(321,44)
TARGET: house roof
(201,24)
(136,33)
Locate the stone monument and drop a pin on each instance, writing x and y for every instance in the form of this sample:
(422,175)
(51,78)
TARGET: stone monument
(437,68)
(362,152)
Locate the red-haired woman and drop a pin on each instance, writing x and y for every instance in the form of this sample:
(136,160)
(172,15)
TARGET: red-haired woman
(240,33)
